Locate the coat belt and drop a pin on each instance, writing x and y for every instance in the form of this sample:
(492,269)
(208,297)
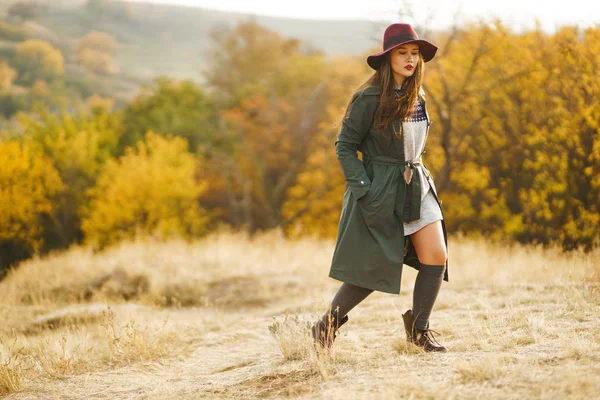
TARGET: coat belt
(412,203)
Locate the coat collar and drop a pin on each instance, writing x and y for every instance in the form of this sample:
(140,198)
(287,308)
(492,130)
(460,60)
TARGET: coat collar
(374,90)
(421,92)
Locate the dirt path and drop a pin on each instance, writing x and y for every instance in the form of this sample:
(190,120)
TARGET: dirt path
(516,329)
(536,341)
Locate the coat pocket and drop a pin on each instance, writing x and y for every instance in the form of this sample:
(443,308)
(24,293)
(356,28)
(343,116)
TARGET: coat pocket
(377,206)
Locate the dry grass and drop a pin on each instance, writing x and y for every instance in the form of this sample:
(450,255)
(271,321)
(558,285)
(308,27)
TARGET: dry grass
(11,370)
(293,338)
(229,317)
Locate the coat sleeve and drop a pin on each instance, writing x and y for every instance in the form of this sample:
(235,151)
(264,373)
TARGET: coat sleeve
(355,127)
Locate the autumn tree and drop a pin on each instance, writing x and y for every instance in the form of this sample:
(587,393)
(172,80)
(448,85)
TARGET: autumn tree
(37,59)
(7,76)
(549,128)
(271,98)
(245,60)
(29,185)
(168,106)
(150,190)
(78,145)
(514,123)
(11,103)
(99,104)
(16,32)
(513,145)
(96,52)
(462,83)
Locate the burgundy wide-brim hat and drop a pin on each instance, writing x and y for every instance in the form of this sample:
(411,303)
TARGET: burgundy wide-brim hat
(396,35)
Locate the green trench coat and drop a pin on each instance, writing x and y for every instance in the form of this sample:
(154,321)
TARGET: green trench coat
(371,247)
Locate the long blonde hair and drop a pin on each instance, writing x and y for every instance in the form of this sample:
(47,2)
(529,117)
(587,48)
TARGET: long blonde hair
(393,105)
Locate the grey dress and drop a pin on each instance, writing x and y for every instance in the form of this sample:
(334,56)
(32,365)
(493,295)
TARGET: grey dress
(414,129)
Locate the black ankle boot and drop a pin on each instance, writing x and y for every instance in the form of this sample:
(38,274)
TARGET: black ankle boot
(422,338)
(324,330)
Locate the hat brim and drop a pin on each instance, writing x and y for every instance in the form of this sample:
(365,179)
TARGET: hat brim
(426,49)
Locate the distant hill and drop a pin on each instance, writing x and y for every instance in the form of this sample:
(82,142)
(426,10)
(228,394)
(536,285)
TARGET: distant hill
(174,40)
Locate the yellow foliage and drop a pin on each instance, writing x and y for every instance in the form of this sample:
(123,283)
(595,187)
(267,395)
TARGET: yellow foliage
(150,190)
(269,119)
(254,56)
(99,41)
(40,88)
(96,51)
(28,185)
(7,76)
(97,61)
(459,208)
(78,146)
(472,177)
(97,102)
(42,54)
(514,147)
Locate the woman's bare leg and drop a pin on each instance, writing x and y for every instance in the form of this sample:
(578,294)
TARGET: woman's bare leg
(429,244)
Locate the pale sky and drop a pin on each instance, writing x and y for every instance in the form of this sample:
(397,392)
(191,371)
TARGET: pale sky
(516,13)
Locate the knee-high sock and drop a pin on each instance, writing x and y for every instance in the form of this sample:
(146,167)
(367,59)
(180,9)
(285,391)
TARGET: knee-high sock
(346,298)
(427,287)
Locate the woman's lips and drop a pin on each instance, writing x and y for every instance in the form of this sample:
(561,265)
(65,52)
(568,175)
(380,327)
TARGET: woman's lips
(409,67)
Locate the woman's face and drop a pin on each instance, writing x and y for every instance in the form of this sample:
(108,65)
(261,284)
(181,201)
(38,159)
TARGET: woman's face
(404,61)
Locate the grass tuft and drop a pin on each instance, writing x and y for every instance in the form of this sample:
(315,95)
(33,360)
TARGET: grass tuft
(11,369)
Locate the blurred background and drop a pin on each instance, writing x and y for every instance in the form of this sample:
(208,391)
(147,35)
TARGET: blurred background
(128,119)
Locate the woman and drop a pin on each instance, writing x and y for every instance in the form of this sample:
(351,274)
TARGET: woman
(391,214)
